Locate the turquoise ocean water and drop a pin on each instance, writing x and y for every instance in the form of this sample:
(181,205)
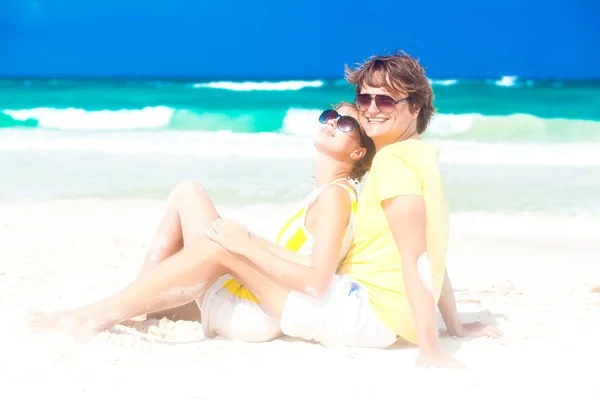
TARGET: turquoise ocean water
(508,145)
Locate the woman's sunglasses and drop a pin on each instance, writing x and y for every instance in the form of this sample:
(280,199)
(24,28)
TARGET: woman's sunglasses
(345,123)
(384,103)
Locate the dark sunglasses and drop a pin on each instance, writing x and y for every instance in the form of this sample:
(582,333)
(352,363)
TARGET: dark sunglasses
(345,123)
(384,103)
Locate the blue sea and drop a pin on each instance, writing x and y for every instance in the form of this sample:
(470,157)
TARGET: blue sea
(507,145)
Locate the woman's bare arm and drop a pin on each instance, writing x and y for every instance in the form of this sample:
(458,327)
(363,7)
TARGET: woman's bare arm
(332,213)
(280,251)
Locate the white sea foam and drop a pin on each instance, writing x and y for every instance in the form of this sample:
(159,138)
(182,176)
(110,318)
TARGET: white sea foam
(547,154)
(515,127)
(443,82)
(282,146)
(270,86)
(507,81)
(198,144)
(302,122)
(443,125)
(77,118)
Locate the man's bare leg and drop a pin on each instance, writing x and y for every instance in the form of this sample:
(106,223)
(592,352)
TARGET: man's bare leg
(178,280)
(190,211)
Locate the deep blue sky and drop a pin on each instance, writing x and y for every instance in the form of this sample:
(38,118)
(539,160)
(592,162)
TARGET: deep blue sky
(308,38)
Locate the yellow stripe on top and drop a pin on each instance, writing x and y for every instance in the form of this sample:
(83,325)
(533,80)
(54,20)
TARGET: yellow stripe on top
(292,235)
(352,196)
(297,240)
(289,223)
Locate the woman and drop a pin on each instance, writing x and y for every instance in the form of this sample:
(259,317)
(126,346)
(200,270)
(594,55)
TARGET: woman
(317,237)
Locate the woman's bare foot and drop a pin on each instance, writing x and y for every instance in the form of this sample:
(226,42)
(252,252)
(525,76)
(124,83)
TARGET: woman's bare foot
(72,322)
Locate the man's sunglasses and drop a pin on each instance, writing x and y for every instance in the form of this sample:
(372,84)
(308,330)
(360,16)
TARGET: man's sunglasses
(384,103)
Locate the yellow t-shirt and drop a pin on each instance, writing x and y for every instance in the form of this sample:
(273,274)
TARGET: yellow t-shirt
(409,167)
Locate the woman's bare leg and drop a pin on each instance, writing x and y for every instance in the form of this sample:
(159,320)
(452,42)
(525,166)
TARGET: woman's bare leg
(190,211)
(272,294)
(178,280)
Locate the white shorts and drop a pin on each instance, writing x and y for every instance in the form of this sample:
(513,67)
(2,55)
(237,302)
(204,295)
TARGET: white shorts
(342,317)
(231,311)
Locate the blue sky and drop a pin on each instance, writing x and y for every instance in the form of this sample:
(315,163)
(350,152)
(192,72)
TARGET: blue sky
(269,39)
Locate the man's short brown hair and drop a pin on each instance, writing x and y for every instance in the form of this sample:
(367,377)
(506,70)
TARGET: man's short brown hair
(397,73)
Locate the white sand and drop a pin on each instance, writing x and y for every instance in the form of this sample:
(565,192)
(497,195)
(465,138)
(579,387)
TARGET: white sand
(532,276)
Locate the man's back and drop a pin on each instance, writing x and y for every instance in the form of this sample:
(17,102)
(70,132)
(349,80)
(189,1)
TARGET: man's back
(405,168)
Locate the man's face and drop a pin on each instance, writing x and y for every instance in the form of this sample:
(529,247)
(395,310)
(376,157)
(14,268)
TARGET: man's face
(387,127)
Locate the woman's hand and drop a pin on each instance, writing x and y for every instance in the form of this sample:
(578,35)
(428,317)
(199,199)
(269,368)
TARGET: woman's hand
(231,235)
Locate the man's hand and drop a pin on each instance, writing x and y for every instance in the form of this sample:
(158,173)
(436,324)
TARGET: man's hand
(477,329)
(472,329)
(231,235)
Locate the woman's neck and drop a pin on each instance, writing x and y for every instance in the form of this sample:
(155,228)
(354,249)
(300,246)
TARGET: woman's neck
(327,169)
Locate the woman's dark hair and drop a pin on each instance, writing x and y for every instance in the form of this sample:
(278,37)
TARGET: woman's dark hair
(362,166)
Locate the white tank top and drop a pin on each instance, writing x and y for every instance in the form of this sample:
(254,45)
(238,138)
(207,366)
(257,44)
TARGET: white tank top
(295,236)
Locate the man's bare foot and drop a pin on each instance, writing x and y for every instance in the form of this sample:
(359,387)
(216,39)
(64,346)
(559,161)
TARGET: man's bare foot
(72,322)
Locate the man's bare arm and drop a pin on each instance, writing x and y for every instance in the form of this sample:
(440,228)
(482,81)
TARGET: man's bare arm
(406,217)
(448,309)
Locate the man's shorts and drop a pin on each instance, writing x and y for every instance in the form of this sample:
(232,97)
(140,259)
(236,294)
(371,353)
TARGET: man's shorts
(342,317)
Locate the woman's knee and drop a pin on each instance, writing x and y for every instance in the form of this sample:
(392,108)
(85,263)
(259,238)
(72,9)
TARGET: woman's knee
(186,190)
(208,251)
(215,252)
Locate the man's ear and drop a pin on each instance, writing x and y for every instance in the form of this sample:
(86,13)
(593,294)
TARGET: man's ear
(415,112)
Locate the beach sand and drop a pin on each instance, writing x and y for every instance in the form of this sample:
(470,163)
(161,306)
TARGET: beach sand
(536,277)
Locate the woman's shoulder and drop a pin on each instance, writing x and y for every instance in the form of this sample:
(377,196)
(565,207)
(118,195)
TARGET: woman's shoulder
(335,196)
(338,189)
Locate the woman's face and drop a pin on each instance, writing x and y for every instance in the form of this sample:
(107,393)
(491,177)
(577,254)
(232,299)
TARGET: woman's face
(334,136)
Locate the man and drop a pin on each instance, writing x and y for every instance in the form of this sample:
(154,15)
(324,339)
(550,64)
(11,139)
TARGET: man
(402,224)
